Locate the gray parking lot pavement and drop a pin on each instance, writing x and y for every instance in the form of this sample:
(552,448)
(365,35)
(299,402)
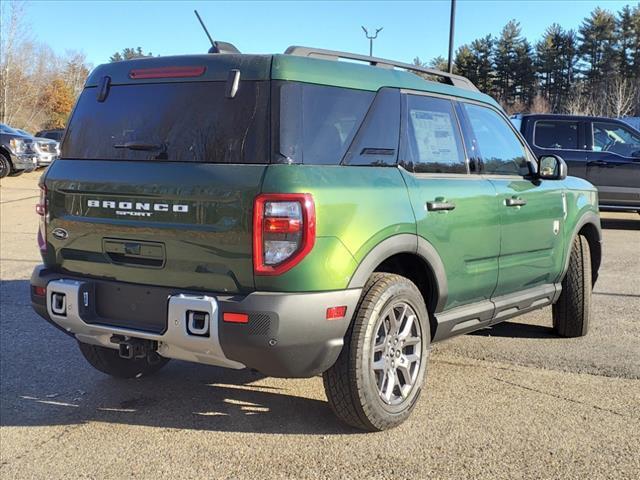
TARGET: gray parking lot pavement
(513,401)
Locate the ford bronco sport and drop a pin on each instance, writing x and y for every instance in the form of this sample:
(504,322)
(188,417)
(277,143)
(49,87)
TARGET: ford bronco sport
(301,215)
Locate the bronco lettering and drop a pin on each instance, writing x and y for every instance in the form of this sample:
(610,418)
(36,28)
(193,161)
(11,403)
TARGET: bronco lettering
(138,206)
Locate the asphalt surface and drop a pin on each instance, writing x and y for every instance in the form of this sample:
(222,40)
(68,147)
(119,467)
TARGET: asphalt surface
(512,402)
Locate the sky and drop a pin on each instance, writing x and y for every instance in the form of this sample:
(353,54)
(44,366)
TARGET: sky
(410,29)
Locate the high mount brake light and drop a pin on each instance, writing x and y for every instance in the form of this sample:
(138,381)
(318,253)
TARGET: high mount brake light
(284,231)
(167,72)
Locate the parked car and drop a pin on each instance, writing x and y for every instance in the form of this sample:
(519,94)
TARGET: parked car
(300,215)
(17,154)
(54,134)
(604,151)
(46,148)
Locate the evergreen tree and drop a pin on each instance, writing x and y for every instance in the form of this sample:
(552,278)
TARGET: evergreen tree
(564,70)
(506,61)
(128,54)
(597,46)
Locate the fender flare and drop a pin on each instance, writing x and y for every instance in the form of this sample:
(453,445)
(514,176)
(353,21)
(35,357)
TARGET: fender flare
(586,219)
(404,243)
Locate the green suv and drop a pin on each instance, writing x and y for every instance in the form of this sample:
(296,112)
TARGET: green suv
(301,215)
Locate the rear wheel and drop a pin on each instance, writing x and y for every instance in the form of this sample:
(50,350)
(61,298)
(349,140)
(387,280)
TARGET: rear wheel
(5,166)
(109,361)
(572,310)
(376,381)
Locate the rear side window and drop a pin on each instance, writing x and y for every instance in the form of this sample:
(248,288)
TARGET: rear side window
(431,141)
(318,123)
(376,143)
(556,135)
(180,122)
(501,151)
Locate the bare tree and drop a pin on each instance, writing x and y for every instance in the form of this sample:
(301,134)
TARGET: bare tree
(540,104)
(621,97)
(13,33)
(27,71)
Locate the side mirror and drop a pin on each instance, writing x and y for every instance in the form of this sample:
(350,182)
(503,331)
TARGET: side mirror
(552,167)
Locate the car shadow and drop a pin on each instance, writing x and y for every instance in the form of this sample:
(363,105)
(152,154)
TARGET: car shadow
(45,381)
(621,223)
(516,330)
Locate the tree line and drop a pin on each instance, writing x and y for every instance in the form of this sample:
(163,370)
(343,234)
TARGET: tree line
(592,71)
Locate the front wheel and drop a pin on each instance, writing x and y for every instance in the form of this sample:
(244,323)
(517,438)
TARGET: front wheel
(5,166)
(572,310)
(109,361)
(377,379)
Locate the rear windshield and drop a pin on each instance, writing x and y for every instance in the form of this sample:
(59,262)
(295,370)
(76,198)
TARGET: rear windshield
(179,122)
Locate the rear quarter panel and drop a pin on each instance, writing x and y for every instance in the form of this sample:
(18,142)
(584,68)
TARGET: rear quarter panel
(356,208)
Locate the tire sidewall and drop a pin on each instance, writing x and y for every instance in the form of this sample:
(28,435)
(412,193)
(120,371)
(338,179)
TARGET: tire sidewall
(5,167)
(400,291)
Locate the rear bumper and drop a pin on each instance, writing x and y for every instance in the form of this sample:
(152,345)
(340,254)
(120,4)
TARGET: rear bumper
(287,334)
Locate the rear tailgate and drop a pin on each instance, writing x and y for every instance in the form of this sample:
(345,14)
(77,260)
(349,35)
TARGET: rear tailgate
(159,169)
(167,224)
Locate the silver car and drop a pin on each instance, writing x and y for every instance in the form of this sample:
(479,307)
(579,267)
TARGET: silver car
(47,149)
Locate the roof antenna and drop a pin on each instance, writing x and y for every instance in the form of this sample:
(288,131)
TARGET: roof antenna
(217,47)
(213,44)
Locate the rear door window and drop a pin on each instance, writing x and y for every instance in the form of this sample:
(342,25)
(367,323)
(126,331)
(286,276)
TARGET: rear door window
(180,122)
(557,135)
(431,141)
(318,123)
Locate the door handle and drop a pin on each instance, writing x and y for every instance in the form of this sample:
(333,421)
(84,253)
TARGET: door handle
(598,163)
(515,202)
(440,205)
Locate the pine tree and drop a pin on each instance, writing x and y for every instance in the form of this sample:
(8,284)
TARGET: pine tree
(505,58)
(128,54)
(597,46)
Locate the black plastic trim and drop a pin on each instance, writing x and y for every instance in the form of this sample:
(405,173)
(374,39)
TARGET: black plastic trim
(404,243)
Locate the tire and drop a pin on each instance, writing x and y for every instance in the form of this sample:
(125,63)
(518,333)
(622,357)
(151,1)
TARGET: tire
(572,310)
(108,360)
(354,388)
(5,166)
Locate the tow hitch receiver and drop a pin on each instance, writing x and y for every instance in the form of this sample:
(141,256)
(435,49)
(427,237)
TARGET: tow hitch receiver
(132,348)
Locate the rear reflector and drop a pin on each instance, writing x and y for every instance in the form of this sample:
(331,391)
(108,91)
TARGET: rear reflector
(334,313)
(39,291)
(166,72)
(235,317)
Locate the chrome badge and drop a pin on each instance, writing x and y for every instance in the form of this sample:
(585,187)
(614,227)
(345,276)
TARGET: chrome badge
(60,233)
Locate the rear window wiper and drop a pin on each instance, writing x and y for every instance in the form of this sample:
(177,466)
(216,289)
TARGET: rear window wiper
(142,146)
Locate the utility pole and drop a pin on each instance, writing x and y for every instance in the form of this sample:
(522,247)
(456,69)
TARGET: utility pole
(452,23)
(371,38)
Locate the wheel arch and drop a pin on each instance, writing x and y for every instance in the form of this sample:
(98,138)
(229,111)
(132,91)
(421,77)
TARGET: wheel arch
(7,154)
(413,257)
(589,227)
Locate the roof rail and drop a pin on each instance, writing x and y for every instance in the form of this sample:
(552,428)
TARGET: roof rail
(450,78)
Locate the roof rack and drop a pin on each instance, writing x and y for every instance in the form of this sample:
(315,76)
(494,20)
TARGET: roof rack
(450,78)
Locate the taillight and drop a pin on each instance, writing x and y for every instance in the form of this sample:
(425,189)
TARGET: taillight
(284,231)
(41,206)
(42,209)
